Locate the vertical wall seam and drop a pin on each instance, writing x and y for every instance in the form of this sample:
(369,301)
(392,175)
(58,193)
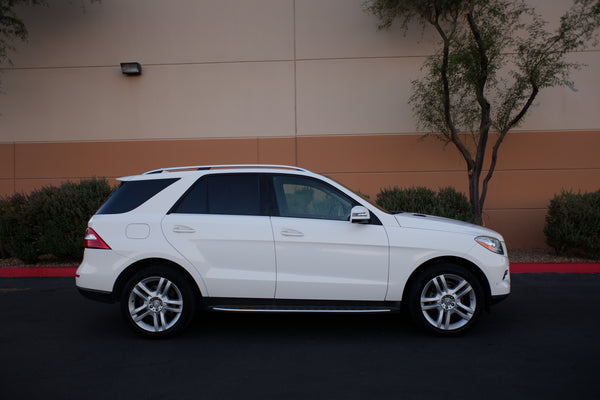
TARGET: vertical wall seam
(295,85)
(258,150)
(14,174)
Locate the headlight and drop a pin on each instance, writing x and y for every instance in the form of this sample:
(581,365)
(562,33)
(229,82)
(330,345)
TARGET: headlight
(490,243)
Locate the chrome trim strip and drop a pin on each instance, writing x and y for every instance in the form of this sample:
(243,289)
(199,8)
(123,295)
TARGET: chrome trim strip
(286,310)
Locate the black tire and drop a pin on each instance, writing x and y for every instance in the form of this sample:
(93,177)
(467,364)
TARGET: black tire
(158,302)
(445,299)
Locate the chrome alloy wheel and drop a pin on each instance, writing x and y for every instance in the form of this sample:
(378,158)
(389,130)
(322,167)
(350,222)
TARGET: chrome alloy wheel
(155,304)
(448,302)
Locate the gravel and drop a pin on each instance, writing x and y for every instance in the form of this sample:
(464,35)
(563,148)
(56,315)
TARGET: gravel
(542,255)
(44,261)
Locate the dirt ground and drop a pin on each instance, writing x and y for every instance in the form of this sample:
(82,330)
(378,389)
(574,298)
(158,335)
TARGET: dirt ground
(544,255)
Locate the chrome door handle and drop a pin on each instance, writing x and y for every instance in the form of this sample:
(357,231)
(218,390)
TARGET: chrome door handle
(291,232)
(183,229)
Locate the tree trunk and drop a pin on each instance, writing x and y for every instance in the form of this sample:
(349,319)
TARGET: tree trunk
(474,198)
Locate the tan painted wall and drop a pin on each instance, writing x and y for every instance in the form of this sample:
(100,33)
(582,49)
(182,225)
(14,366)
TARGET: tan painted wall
(528,174)
(234,69)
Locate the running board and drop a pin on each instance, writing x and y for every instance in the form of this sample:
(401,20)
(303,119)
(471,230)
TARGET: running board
(299,306)
(303,310)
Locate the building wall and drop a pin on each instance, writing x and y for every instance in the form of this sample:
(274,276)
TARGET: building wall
(305,82)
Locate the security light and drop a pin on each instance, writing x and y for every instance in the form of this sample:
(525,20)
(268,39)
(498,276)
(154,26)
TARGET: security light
(131,68)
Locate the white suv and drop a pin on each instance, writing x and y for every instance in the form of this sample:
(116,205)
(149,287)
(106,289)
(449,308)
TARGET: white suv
(280,238)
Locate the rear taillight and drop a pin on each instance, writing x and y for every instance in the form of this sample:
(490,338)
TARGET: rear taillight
(94,241)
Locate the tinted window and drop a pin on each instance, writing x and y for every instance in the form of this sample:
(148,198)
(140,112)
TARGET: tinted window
(195,201)
(132,194)
(234,194)
(301,197)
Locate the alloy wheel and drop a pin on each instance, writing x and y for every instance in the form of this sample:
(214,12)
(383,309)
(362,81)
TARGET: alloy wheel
(155,304)
(448,302)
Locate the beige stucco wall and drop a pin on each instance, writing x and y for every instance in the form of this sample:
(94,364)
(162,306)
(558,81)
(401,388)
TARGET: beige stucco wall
(232,68)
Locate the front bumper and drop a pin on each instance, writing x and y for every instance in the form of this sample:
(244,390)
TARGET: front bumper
(97,295)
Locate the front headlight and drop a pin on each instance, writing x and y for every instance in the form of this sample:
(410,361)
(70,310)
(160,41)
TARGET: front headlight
(490,243)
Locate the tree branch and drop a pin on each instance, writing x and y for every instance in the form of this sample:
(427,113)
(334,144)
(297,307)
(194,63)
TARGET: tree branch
(446,96)
(503,133)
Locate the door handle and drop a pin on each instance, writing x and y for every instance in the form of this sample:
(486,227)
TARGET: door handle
(292,232)
(183,229)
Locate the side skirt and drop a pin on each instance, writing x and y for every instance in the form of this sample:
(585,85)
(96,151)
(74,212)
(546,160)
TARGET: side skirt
(289,305)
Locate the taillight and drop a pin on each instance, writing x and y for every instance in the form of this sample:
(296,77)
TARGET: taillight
(94,241)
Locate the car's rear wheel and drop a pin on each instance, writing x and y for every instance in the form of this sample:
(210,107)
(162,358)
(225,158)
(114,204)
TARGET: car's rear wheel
(158,302)
(446,299)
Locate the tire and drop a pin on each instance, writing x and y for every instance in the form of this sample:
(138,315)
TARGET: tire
(158,302)
(446,299)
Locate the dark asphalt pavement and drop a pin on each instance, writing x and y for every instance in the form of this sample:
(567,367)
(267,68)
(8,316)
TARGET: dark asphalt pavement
(542,342)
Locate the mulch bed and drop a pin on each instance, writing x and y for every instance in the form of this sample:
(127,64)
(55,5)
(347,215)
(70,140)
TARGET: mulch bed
(44,261)
(545,255)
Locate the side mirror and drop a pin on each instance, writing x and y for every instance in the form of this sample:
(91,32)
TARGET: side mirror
(360,215)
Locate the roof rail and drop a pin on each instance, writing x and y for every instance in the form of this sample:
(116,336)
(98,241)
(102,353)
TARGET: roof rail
(224,166)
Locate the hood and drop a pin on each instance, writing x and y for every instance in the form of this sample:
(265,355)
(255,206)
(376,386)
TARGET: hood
(433,223)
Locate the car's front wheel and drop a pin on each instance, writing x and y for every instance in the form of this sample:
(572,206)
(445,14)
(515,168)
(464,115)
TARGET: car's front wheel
(158,302)
(446,299)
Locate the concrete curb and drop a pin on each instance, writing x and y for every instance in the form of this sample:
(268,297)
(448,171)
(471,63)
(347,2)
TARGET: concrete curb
(515,268)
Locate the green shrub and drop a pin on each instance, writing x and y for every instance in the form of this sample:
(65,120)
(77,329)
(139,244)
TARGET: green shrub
(51,220)
(573,224)
(16,229)
(447,202)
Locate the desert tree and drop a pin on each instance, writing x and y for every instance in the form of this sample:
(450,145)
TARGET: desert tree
(492,59)
(12,28)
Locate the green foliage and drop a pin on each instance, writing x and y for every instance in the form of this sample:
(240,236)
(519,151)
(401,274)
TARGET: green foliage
(51,220)
(16,232)
(573,224)
(447,202)
(11,26)
(493,58)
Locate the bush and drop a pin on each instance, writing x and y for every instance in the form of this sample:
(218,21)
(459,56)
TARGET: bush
(51,220)
(447,202)
(573,224)
(16,232)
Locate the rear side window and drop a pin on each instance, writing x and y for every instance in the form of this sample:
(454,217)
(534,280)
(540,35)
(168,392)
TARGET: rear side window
(233,194)
(132,194)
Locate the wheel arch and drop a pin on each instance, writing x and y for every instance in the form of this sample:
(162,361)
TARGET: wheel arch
(468,265)
(149,262)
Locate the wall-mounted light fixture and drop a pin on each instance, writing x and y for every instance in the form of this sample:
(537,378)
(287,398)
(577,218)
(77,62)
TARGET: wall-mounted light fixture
(131,68)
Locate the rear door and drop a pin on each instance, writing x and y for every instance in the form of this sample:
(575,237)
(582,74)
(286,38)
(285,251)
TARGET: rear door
(221,227)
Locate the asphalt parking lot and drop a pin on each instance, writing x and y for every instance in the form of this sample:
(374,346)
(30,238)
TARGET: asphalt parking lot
(542,342)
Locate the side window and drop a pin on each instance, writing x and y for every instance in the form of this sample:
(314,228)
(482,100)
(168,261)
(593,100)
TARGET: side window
(194,201)
(132,194)
(233,194)
(301,197)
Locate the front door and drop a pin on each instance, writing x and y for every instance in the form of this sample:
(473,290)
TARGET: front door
(320,254)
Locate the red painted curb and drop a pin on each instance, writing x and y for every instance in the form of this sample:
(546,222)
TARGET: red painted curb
(37,272)
(515,268)
(571,268)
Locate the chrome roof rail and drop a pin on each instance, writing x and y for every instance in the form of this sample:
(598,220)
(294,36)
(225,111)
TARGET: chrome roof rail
(223,166)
